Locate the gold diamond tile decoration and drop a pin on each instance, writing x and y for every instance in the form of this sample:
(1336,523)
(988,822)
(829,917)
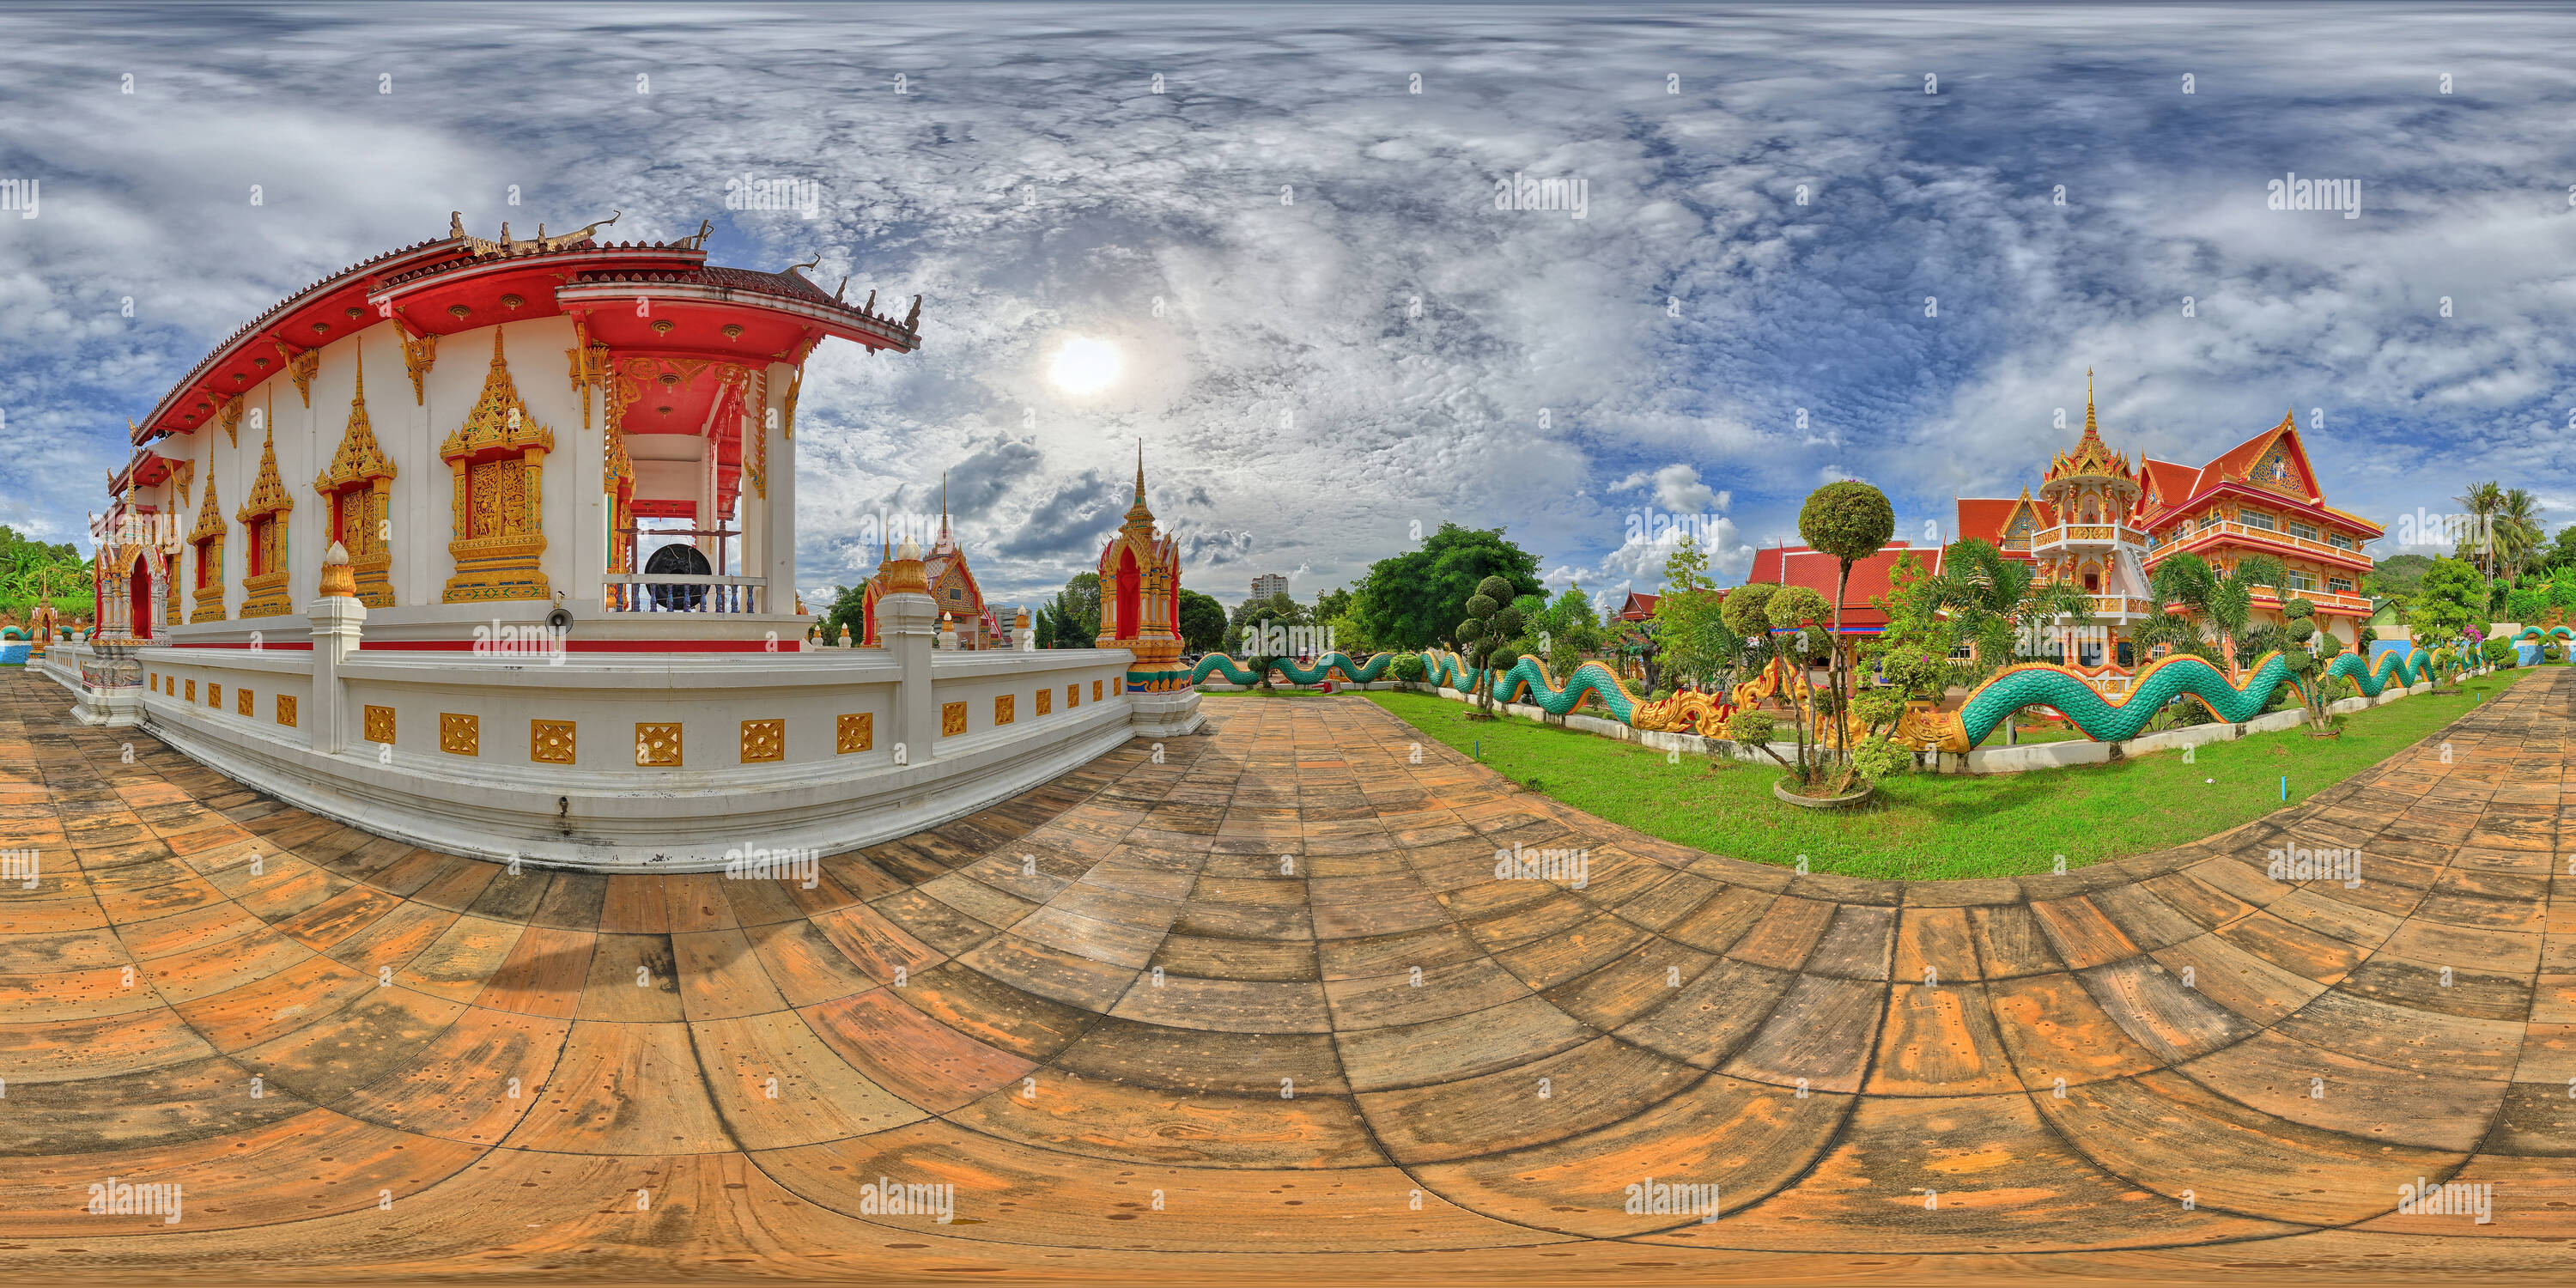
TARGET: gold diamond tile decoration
(241,702)
(1002,713)
(1072,696)
(214,695)
(657,745)
(1046,700)
(192,690)
(857,733)
(1117,685)
(550,742)
(460,735)
(763,740)
(952,719)
(286,709)
(1095,690)
(380,724)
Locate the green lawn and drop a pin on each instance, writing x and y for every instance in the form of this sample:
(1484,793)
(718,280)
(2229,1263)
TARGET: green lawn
(1939,825)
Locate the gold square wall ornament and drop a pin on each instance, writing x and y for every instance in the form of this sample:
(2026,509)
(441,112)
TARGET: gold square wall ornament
(550,742)
(286,709)
(1046,701)
(952,719)
(214,695)
(1095,690)
(1072,696)
(460,735)
(241,701)
(857,733)
(1117,685)
(763,740)
(192,690)
(1002,713)
(380,724)
(657,745)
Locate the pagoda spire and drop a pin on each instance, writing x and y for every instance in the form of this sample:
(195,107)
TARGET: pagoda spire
(943,507)
(2090,428)
(1140,469)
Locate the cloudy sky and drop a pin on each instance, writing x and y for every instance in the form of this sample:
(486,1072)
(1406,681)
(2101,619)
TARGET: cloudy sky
(1792,262)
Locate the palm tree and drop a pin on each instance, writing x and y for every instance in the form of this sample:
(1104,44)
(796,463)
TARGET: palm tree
(2482,501)
(1993,599)
(2517,528)
(2225,600)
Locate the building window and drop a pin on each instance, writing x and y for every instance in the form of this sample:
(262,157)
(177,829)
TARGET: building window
(2339,541)
(955,593)
(2253,519)
(2302,581)
(2304,532)
(2339,585)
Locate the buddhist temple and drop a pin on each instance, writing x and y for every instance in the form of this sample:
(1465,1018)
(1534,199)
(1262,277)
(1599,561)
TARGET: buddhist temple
(544,609)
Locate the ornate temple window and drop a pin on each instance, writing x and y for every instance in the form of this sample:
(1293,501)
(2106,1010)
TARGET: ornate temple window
(497,460)
(263,520)
(208,538)
(359,487)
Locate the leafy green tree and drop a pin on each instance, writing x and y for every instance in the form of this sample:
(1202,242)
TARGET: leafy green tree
(1074,615)
(848,608)
(2483,501)
(1851,521)
(2398,577)
(1277,610)
(1484,634)
(1991,601)
(2453,595)
(1415,599)
(1202,622)
(27,567)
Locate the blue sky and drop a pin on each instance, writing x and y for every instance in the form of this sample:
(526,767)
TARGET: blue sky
(1329,333)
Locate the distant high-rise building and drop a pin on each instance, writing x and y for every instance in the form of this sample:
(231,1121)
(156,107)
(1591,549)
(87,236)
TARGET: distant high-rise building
(1268,584)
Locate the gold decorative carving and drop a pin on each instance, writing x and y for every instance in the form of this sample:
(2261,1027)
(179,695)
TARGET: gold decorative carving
(755,422)
(952,719)
(214,695)
(300,367)
(1002,713)
(1095,690)
(230,418)
(184,475)
(380,724)
(358,487)
(286,709)
(1072,696)
(1046,701)
(787,406)
(497,460)
(460,735)
(263,517)
(419,354)
(550,742)
(657,745)
(242,702)
(192,690)
(857,733)
(763,740)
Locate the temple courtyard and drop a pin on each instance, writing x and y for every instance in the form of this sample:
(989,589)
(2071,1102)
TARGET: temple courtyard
(1261,990)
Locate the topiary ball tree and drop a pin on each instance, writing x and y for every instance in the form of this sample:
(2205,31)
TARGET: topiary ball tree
(1851,521)
(1797,614)
(1491,621)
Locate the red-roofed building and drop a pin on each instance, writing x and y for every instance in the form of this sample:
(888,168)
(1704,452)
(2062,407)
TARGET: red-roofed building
(2101,524)
(1639,607)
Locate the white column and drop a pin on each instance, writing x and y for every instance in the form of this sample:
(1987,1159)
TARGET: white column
(778,513)
(590,536)
(905,624)
(337,624)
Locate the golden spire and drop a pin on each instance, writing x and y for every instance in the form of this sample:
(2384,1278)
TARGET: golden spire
(1140,469)
(2089,426)
(943,507)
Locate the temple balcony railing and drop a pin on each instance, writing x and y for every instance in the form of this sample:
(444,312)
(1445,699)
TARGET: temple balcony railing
(2087,535)
(2212,533)
(673,592)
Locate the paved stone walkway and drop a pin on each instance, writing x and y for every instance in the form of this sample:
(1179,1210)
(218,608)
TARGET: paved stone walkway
(1268,995)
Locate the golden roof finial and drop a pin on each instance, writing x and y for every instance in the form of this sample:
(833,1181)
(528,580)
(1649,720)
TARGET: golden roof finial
(1140,469)
(2089,426)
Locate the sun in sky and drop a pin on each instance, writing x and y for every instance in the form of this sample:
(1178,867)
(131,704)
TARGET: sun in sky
(1084,365)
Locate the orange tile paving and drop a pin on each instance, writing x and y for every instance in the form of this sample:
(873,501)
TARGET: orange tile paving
(1154,1017)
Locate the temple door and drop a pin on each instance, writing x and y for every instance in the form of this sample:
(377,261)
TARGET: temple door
(139,597)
